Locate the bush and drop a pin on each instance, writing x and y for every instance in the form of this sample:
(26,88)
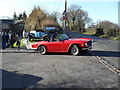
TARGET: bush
(115,38)
(99,31)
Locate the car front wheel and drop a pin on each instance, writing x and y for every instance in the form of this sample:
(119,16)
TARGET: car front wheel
(74,50)
(42,50)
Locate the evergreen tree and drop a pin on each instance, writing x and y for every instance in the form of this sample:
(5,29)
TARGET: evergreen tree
(15,16)
(20,16)
(24,15)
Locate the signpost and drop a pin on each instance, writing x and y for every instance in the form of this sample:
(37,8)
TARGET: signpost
(65,15)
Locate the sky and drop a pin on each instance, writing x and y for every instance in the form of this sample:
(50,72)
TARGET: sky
(98,10)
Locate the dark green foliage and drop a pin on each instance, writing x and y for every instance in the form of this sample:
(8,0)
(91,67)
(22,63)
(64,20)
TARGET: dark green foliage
(24,15)
(15,16)
(99,31)
(20,16)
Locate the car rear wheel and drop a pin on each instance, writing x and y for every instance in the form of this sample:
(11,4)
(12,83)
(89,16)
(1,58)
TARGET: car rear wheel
(42,50)
(74,50)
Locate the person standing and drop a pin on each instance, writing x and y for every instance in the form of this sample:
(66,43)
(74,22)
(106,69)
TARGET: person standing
(4,40)
(18,41)
(7,39)
(10,39)
(24,33)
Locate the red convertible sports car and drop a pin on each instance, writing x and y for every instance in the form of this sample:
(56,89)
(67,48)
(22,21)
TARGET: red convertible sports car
(62,43)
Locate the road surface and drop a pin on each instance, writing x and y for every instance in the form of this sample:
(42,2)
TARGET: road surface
(105,48)
(28,69)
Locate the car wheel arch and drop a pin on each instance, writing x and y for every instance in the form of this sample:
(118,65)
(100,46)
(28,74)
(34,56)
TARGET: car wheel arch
(41,45)
(45,35)
(74,44)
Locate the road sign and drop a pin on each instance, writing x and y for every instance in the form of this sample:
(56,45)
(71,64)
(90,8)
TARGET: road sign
(64,13)
(65,18)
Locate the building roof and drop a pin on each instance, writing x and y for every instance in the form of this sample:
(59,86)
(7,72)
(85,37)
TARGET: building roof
(18,21)
(6,20)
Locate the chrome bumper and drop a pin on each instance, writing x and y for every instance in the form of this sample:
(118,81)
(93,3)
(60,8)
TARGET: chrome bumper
(88,48)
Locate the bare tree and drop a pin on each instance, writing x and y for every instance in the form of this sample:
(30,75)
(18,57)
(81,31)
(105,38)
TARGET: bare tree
(77,18)
(55,16)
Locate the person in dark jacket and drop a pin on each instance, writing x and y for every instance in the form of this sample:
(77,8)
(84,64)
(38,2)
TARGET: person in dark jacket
(4,40)
(18,41)
(7,40)
(12,39)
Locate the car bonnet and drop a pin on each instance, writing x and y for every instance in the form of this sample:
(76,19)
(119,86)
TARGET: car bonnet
(80,39)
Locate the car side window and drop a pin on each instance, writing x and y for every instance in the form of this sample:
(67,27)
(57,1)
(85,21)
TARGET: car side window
(55,38)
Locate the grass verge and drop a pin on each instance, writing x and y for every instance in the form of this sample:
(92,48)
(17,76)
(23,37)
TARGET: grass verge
(104,36)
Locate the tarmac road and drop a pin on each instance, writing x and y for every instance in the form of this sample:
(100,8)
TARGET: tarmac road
(105,48)
(29,69)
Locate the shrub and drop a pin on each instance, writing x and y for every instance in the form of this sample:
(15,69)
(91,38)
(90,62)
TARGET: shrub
(104,36)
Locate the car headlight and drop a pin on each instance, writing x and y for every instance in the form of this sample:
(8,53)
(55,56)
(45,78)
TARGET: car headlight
(86,44)
(89,43)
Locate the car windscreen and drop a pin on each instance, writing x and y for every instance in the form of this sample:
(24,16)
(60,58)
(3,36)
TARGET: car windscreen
(39,34)
(49,28)
(62,37)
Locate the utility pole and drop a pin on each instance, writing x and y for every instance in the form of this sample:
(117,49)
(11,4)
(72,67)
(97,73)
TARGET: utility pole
(65,16)
(66,13)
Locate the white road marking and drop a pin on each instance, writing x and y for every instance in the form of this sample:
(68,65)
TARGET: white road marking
(104,62)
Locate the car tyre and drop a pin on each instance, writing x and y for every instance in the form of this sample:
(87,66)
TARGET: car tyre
(42,50)
(75,50)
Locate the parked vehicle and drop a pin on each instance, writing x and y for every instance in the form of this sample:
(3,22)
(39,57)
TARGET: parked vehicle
(62,43)
(37,35)
(44,34)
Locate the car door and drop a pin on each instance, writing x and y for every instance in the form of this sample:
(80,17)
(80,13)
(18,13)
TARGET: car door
(57,46)
(54,46)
